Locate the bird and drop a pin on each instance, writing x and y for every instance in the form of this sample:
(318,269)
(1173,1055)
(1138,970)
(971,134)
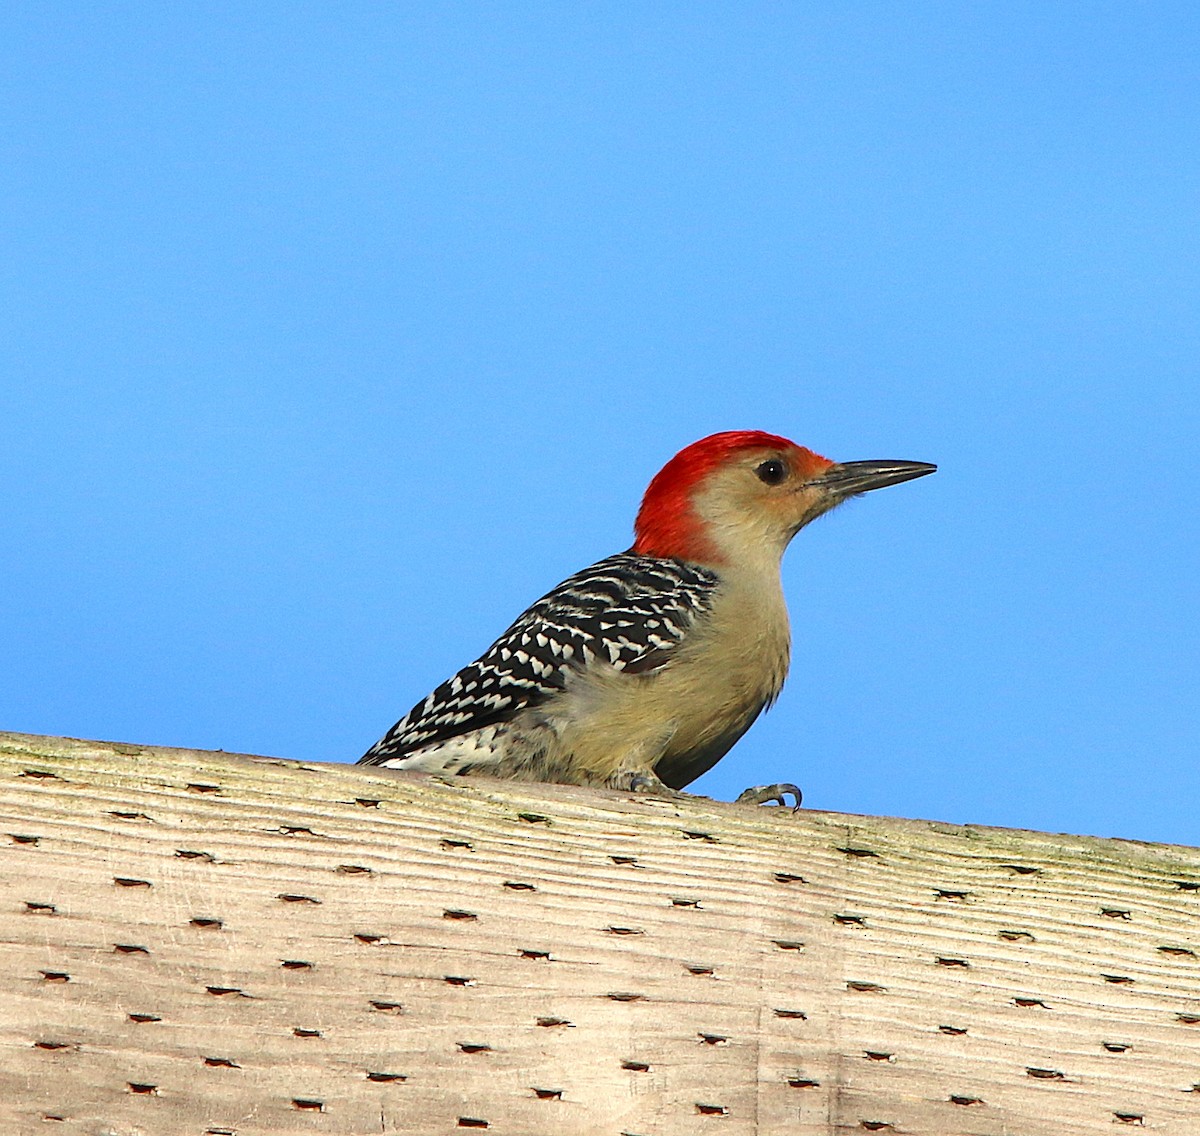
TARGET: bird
(641,671)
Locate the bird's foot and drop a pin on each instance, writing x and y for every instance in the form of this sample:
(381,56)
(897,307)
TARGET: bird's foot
(765,794)
(644,781)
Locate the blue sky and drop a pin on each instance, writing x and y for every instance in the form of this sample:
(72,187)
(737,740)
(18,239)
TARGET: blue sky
(332,335)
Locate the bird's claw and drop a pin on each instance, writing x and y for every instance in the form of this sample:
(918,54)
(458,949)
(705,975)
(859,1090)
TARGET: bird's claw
(643,781)
(766,794)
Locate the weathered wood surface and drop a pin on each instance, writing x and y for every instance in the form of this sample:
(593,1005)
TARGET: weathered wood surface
(210,944)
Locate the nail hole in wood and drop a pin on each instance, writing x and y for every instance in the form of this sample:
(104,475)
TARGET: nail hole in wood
(129,882)
(139,1018)
(1178,952)
(296,830)
(711,1109)
(300,1031)
(961,963)
(129,949)
(202,787)
(1116,1046)
(224,991)
(121,815)
(789,878)
(450,845)
(555,1022)
(516,885)
(1118,979)
(534,818)
(707,837)
(307,1104)
(713,1039)
(699,970)
(221,1063)
(55,1045)
(798,1014)
(866,987)
(1045,1074)
(539,956)
(803,1083)
(35,908)
(460,916)
(23,838)
(876,1125)
(625,861)
(387,1078)
(55,976)
(1187,885)
(1029,1003)
(625,996)
(685,903)
(295,964)
(472,1122)
(860,853)
(1022,869)
(1116,913)
(1129,1118)
(41,775)
(1015,936)
(384,1007)
(370,939)
(952,896)
(850,920)
(473,1047)
(788,944)
(965,1101)
(291,897)
(459,980)
(192,854)
(367,802)
(1188,1019)
(548,1094)
(879,1055)
(952,1031)
(143,1088)
(635,1066)
(354,870)
(206,924)
(624,931)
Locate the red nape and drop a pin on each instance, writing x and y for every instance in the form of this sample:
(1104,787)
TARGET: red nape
(666,524)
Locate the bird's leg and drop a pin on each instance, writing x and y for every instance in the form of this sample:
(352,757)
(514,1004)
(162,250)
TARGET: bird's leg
(643,781)
(765,794)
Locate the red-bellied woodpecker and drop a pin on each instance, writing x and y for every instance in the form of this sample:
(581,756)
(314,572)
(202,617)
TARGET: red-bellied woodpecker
(641,671)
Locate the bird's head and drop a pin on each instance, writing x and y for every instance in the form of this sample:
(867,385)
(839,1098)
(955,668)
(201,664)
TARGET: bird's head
(743,494)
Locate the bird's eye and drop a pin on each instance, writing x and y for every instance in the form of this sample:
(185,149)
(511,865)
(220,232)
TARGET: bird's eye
(771,472)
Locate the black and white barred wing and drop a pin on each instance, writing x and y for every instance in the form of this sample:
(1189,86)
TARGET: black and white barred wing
(627,611)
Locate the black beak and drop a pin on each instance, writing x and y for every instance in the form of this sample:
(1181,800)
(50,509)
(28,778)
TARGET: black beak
(844,479)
